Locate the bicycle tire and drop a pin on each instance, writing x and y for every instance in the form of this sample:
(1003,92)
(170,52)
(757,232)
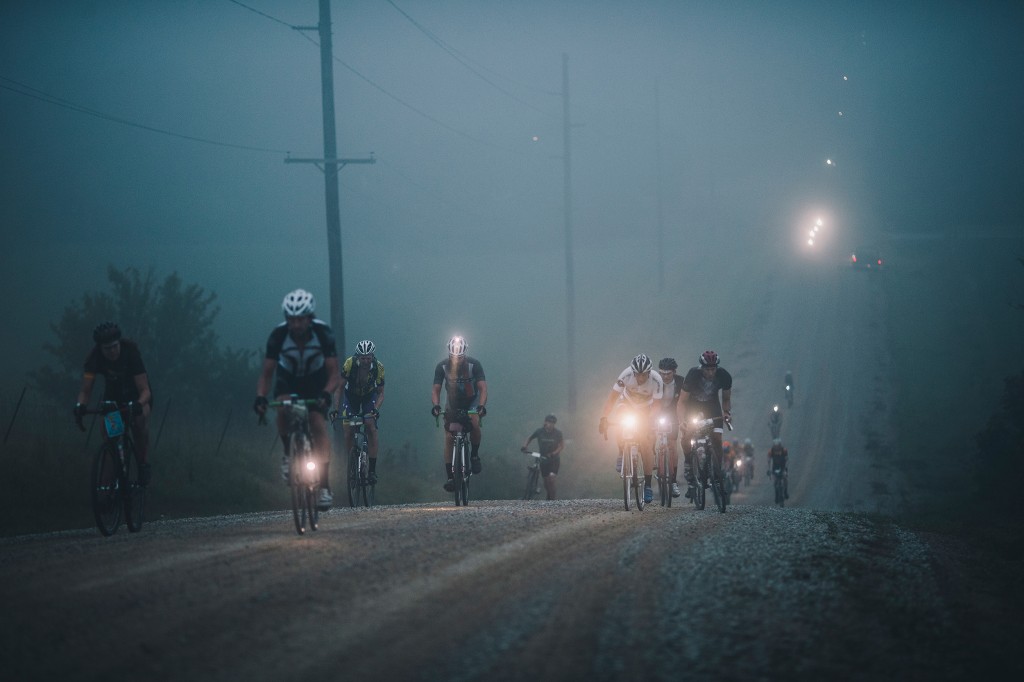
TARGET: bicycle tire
(107,506)
(700,490)
(312,508)
(659,473)
(626,487)
(364,478)
(780,495)
(135,494)
(300,489)
(531,483)
(638,480)
(718,483)
(353,477)
(459,470)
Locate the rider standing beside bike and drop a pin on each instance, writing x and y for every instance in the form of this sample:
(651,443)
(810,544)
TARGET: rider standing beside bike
(637,389)
(778,458)
(463,376)
(302,351)
(670,402)
(361,393)
(120,364)
(701,386)
(550,441)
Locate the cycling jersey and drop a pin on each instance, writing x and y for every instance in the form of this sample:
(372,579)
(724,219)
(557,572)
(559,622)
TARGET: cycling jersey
(778,459)
(118,375)
(547,440)
(460,381)
(373,377)
(301,369)
(702,393)
(636,394)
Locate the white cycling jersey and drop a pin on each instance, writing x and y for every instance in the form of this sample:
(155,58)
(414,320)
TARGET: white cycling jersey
(636,394)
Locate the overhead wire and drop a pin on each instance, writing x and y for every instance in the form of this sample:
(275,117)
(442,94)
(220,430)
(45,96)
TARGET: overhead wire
(35,93)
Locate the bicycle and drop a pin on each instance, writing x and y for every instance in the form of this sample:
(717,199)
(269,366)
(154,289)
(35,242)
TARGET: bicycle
(359,486)
(662,466)
(303,471)
(533,473)
(632,467)
(779,474)
(460,427)
(707,470)
(115,474)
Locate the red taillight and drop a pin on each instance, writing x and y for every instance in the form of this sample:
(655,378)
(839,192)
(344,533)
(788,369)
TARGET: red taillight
(879,261)
(854,258)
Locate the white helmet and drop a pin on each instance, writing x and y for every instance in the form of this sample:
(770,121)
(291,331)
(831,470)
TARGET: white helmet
(641,364)
(298,304)
(457,346)
(365,348)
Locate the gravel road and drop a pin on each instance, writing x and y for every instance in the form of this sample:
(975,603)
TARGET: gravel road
(566,590)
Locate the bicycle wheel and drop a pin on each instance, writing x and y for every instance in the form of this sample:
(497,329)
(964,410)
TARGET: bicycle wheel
(106,490)
(312,507)
(459,469)
(134,494)
(300,504)
(627,480)
(638,480)
(532,477)
(364,484)
(659,468)
(780,495)
(353,477)
(700,470)
(718,484)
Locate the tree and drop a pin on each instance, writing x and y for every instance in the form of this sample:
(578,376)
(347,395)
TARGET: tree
(173,325)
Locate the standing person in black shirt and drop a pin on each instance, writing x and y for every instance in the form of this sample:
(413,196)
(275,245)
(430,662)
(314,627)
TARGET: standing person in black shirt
(120,364)
(550,441)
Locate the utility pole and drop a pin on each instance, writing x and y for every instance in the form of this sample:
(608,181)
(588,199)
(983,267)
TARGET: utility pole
(570,286)
(330,165)
(661,225)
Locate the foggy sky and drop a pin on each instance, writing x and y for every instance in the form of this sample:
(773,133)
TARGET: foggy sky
(739,100)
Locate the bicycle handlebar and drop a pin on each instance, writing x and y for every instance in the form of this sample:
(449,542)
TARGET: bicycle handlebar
(288,402)
(108,406)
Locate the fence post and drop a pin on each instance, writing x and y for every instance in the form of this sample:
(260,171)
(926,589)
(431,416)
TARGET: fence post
(223,431)
(13,416)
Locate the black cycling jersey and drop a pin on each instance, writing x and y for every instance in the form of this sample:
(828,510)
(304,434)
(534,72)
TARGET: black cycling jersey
(778,459)
(547,441)
(118,375)
(460,381)
(301,369)
(703,394)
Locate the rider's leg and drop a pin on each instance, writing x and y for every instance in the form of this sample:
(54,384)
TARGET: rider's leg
(475,436)
(549,485)
(716,440)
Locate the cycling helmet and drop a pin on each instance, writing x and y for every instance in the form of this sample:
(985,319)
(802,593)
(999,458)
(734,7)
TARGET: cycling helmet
(777,443)
(709,358)
(641,364)
(746,441)
(551,418)
(457,346)
(106,332)
(298,303)
(365,348)
(726,447)
(667,364)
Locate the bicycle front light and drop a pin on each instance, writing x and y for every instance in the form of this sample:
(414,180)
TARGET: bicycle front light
(311,466)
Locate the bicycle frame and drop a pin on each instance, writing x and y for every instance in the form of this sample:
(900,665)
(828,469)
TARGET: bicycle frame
(533,475)
(632,473)
(304,470)
(359,466)
(461,427)
(116,491)
(662,466)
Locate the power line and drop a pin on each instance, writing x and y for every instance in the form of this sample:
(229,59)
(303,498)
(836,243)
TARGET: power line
(381,89)
(464,60)
(35,93)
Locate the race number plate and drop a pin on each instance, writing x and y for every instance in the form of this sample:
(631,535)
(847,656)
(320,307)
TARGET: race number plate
(113,423)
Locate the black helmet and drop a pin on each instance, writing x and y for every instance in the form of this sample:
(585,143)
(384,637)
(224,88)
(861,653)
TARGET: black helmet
(106,332)
(551,418)
(668,363)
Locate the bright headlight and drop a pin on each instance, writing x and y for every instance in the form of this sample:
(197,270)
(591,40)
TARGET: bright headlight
(310,465)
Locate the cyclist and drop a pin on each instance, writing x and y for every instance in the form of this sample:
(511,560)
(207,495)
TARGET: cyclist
(789,385)
(701,386)
(550,441)
(463,377)
(639,390)
(778,456)
(120,364)
(748,454)
(302,351)
(673,386)
(361,392)
(775,421)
